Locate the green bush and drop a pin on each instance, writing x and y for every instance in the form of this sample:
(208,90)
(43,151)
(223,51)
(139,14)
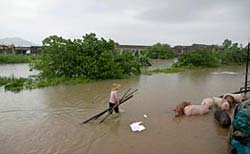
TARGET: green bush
(12,59)
(160,51)
(231,53)
(14,84)
(88,57)
(198,57)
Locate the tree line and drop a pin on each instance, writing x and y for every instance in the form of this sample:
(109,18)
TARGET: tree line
(66,61)
(229,53)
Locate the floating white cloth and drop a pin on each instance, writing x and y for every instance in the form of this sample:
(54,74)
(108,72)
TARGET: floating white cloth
(136,126)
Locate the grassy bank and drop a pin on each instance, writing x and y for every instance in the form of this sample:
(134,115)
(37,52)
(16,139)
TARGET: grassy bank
(17,84)
(14,59)
(185,68)
(176,69)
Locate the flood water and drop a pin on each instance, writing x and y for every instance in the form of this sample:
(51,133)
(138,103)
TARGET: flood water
(47,120)
(17,70)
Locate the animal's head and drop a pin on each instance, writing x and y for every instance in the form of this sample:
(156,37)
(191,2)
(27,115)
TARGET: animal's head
(225,105)
(179,110)
(229,99)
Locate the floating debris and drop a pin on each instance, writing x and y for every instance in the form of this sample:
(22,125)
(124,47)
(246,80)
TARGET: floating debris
(136,126)
(229,73)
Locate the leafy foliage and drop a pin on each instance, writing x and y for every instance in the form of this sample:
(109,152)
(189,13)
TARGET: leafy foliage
(17,84)
(143,58)
(198,57)
(88,57)
(160,51)
(12,59)
(230,53)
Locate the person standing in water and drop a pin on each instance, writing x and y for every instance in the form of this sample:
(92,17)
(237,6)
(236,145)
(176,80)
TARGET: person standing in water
(114,98)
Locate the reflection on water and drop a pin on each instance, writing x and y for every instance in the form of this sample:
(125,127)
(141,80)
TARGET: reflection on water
(47,120)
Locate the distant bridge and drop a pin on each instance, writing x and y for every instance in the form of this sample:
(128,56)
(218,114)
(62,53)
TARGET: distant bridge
(11,49)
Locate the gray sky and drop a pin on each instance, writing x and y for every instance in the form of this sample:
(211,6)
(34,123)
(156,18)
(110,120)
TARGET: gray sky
(129,21)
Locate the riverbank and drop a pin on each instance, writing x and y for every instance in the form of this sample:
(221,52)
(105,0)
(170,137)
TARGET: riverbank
(17,84)
(185,68)
(15,59)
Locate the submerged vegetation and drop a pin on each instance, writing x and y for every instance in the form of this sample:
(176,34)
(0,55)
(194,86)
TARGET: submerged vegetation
(17,84)
(229,53)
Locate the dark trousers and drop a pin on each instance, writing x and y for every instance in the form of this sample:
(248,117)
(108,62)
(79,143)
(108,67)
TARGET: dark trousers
(111,105)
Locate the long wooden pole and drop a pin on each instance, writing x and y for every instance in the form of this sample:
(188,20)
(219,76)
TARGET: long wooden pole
(246,75)
(111,111)
(126,98)
(131,94)
(238,92)
(100,114)
(124,95)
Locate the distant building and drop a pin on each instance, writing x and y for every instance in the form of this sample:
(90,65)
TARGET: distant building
(132,48)
(37,50)
(11,49)
(7,49)
(21,50)
(182,49)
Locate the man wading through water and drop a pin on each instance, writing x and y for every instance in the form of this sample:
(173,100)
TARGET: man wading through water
(114,98)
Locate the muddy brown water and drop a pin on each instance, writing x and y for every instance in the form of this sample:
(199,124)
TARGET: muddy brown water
(47,120)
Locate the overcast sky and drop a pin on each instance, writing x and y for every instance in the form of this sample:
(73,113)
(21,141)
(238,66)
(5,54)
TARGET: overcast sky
(142,22)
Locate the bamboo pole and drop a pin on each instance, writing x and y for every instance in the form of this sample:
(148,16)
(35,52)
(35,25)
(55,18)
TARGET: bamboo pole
(111,111)
(126,98)
(246,75)
(103,112)
(238,92)
(124,95)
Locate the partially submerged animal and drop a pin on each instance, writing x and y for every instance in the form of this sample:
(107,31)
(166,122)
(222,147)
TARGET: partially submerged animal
(223,118)
(196,110)
(179,108)
(208,102)
(186,108)
(234,98)
(223,105)
(219,102)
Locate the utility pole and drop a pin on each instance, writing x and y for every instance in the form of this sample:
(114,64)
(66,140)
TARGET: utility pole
(246,75)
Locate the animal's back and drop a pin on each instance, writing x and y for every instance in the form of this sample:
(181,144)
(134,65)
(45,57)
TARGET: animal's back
(195,110)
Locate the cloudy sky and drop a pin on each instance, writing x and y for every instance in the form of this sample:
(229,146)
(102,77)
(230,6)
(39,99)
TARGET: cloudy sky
(143,22)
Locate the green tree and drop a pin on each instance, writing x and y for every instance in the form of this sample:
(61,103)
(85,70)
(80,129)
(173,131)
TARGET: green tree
(198,57)
(88,57)
(143,58)
(232,53)
(226,44)
(160,51)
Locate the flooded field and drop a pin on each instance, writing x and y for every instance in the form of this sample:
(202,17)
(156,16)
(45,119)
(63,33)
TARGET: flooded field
(17,70)
(47,120)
